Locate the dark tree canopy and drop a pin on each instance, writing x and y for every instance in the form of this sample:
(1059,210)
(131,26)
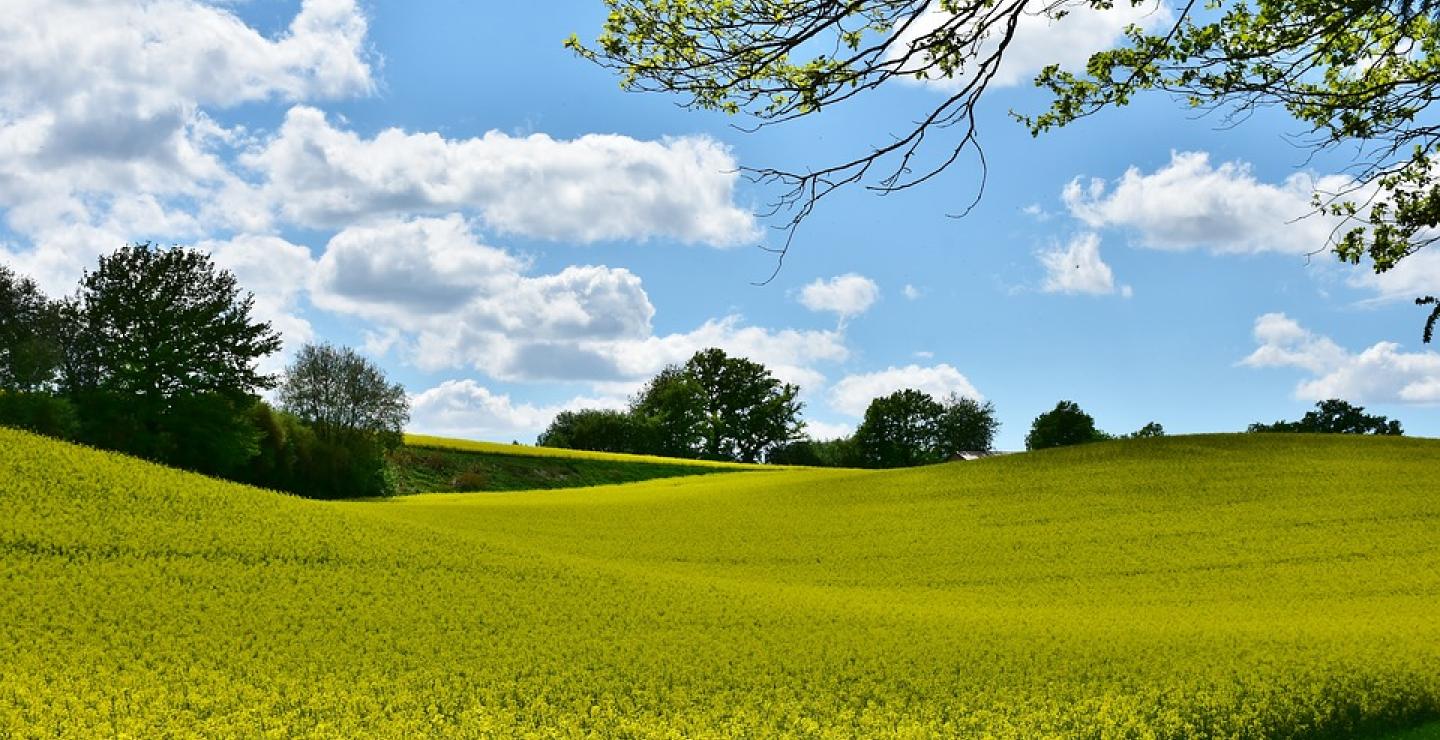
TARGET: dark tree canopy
(909,427)
(341,394)
(1064,425)
(1151,429)
(713,407)
(1334,416)
(158,323)
(159,355)
(1361,73)
(669,406)
(900,430)
(30,350)
(602,430)
(967,425)
(743,411)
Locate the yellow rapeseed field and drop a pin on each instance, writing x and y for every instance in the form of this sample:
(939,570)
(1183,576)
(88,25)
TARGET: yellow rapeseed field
(1226,586)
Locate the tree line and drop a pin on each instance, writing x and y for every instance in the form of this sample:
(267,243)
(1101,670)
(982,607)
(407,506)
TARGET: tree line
(156,355)
(717,407)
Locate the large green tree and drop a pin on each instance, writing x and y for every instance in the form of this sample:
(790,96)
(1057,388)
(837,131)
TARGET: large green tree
(1066,424)
(909,427)
(744,410)
(161,354)
(719,407)
(900,430)
(350,416)
(669,407)
(1363,73)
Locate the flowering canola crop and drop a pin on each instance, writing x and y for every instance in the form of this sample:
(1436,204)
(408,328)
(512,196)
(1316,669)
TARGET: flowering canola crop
(1219,586)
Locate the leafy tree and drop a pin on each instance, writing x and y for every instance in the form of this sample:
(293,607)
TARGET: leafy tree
(743,410)
(900,430)
(355,414)
(161,357)
(669,408)
(341,394)
(909,427)
(1360,73)
(39,412)
(602,430)
(966,425)
(1063,425)
(30,352)
(1334,416)
(718,407)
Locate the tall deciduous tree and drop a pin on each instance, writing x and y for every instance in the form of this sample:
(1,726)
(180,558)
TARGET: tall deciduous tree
(341,394)
(162,357)
(743,410)
(967,425)
(719,407)
(1349,72)
(352,415)
(909,427)
(900,430)
(669,406)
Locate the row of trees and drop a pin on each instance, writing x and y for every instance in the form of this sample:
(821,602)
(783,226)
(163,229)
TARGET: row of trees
(718,407)
(681,414)
(156,355)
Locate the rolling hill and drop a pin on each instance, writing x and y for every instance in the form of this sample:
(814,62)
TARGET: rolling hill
(438,464)
(1244,586)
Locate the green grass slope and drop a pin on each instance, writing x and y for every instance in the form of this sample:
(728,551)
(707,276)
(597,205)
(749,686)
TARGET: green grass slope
(1261,586)
(437,464)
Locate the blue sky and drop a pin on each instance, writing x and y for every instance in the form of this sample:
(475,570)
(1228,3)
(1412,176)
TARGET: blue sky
(509,234)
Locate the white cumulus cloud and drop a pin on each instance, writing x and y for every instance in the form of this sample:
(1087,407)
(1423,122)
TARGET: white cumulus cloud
(1077,268)
(104,135)
(846,296)
(1193,204)
(852,394)
(468,410)
(595,187)
(1381,373)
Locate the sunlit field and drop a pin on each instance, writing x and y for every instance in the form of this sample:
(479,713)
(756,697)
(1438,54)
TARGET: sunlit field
(1243,586)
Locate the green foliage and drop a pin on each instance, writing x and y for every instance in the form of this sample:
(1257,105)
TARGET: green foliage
(601,430)
(1151,429)
(342,395)
(160,361)
(29,326)
(821,453)
(669,406)
(38,412)
(436,469)
(714,407)
(356,416)
(1334,416)
(909,427)
(1221,586)
(900,430)
(1064,425)
(742,410)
